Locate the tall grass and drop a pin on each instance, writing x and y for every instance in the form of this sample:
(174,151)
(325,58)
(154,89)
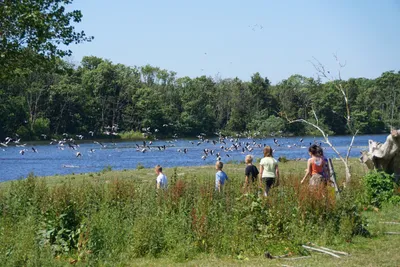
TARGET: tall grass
(107,223)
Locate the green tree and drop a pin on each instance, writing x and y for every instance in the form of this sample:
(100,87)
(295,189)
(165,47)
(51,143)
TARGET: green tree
(32,33)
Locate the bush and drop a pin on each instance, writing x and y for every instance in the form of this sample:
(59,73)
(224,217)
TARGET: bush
(131,135)
(267,124)
(41,126)
(140,166)
(24,133)
(378,188)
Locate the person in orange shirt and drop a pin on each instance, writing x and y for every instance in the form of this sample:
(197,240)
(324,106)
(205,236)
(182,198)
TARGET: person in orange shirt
(315,166)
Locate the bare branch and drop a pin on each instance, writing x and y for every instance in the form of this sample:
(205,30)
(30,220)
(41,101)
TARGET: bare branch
(326,137)
(315,116)
(328,249)
(340,65)
(350,146)
(321,250)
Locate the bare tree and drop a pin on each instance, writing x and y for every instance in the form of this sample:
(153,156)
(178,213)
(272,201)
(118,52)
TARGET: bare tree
(324,74)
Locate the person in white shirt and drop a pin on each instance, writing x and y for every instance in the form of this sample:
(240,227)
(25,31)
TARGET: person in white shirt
(162,181)
(269,172)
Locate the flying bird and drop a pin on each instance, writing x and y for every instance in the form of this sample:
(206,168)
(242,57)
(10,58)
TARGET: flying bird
(96,142)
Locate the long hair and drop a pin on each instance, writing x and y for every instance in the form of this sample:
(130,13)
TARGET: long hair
(267,151)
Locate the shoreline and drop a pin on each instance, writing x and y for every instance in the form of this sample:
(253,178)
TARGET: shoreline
(291,167)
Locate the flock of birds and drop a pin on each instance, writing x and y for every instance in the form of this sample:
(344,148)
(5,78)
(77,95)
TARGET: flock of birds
(217,148)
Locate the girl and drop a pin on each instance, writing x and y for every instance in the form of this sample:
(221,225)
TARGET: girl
(269,172)
(315,166)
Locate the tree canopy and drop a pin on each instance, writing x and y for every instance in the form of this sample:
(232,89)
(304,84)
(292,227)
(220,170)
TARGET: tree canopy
(36,32)
(98,94)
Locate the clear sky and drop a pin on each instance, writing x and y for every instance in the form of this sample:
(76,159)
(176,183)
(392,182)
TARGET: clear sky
(208,37)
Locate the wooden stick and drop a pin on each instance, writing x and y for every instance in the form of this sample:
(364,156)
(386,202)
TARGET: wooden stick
(335,251)
(330,250)
(321,250)
(296,258)
(392,233)
(390,222)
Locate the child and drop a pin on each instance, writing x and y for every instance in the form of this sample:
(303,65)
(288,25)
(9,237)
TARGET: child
(315,166)
(251,172)
(220,176)
(162,181)
(269,171)
(326,173)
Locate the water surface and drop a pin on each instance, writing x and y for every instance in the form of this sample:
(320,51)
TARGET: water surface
(51,160)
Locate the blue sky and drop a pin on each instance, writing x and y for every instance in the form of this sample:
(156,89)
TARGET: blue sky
(211,38)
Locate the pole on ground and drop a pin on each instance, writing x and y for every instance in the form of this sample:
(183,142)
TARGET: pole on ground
(332,177)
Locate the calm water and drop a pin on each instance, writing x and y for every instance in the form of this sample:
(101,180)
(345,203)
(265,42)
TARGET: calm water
(51,160)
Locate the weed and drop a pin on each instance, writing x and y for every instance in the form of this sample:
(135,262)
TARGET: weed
(139,166)
(107,169)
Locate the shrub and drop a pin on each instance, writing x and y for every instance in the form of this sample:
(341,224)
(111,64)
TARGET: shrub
(41,126)
(378,188)
(131,135)
(140,166)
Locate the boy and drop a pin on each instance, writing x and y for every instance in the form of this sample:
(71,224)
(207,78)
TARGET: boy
(161,178)
(220,176)
(251,172)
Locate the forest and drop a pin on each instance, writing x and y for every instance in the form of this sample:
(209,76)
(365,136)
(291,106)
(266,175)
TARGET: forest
(98,94)
(44,95)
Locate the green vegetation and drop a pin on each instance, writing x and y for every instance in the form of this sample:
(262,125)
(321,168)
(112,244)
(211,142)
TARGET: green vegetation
(117,217)
(40,94)
(32,32)
(131,135)
(98,94)
(379,188)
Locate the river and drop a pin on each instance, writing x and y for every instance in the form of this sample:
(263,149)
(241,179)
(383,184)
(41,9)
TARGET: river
(56,160)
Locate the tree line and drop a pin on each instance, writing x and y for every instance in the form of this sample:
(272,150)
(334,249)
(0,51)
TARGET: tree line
(99,94)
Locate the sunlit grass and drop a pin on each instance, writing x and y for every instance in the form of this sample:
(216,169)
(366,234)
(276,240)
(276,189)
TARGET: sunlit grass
(119,217)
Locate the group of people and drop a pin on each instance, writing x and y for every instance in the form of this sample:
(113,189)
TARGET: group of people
(268,176)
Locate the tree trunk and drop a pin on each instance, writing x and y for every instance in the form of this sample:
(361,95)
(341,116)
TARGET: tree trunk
(348,173)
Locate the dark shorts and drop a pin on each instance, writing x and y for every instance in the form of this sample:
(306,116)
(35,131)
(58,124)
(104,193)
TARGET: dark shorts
(268,182)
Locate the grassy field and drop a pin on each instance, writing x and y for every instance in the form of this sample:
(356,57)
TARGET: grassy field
(377,250)
(116,218)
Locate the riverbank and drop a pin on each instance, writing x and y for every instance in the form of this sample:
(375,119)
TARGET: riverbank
(117,218)
(142,174)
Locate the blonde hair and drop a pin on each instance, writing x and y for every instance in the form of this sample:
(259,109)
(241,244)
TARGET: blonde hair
(158,168)
(267,151)
(219,164)
(248,159)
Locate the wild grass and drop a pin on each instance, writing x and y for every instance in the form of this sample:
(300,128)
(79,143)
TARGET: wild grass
(116,218)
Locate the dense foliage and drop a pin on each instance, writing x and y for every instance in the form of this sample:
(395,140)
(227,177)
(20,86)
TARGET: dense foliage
(99,94)
(114,221)
(35,34)
(379,188)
